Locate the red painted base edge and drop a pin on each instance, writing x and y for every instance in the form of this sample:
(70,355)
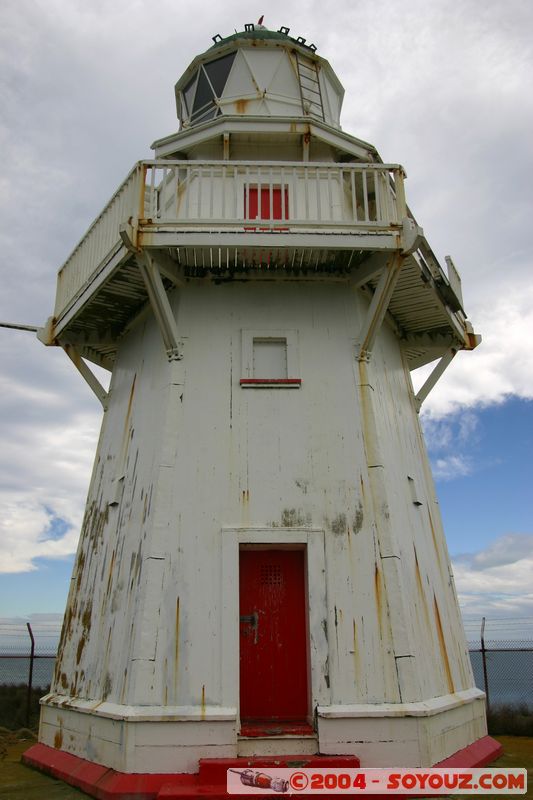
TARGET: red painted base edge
(99,781)
(477,754)
(104,783)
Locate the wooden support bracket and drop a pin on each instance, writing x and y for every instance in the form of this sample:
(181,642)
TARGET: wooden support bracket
(378,306)
(369,269)
(86,373)
(434,376)
(157,295)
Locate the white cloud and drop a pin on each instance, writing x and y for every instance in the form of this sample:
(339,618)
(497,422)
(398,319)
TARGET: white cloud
(452,466)
(498,580)
(508,549)
(501,367)
(52,620)
(48,428)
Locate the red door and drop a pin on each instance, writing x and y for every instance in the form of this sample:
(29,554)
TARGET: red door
(275,206)
(273,639)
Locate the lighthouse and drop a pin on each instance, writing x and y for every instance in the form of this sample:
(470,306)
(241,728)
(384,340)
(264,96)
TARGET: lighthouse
(262,570)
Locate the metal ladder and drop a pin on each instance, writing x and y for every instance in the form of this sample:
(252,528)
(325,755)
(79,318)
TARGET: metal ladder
(309,86)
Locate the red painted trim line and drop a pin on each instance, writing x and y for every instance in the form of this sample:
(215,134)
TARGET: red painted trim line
(271,381)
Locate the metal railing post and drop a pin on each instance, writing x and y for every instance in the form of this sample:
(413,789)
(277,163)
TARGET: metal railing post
(484,660)
(30,675)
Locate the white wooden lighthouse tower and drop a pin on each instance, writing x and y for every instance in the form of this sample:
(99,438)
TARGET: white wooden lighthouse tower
(262,568)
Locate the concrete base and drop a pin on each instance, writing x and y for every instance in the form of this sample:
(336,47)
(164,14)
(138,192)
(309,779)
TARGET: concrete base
(404,734)
(173,740)
(138,738)
(210,781)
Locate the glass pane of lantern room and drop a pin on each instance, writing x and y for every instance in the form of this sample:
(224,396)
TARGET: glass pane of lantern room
(270,358)
(218,71)
(188,94)
(203,92)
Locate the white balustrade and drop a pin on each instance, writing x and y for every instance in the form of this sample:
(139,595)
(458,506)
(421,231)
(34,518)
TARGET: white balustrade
(287,194)
(101,240)
(294,197)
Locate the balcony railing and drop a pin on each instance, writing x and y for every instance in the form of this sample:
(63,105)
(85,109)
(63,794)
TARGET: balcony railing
(290,194)
(101,241)
(242,196)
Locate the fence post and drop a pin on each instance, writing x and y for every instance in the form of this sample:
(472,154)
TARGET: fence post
(30,676)
(484,659)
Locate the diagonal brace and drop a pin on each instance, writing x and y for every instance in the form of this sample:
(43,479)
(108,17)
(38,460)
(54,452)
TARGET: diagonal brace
(87,374)
(369,269)
(160,304)
(378,306)
(434,376)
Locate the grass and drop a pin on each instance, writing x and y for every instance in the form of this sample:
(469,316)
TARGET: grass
(515,720)
(517,752)
(14,707)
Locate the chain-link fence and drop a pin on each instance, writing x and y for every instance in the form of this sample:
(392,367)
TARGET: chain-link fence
(501,652)
(27,659)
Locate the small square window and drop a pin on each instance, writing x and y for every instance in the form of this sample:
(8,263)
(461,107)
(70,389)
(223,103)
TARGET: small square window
(270,359)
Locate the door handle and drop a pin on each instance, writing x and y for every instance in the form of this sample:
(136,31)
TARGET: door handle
(253,620)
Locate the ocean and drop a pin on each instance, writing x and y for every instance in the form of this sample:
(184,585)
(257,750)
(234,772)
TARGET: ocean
(510,674)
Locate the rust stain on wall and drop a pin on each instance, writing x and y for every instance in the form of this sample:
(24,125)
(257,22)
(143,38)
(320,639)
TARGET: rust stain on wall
(241,105)
(110,575)
(444,652)
(86,627)
(74,685)
(79,569)
(420,588)
(434,537)
(202,710)
(79,649)
(93,524)
(86,616)
(377,593)
(58,738)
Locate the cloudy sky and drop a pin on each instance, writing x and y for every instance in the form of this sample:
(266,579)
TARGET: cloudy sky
(443,88)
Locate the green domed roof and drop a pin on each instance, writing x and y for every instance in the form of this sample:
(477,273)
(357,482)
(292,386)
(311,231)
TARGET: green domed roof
(261,33)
